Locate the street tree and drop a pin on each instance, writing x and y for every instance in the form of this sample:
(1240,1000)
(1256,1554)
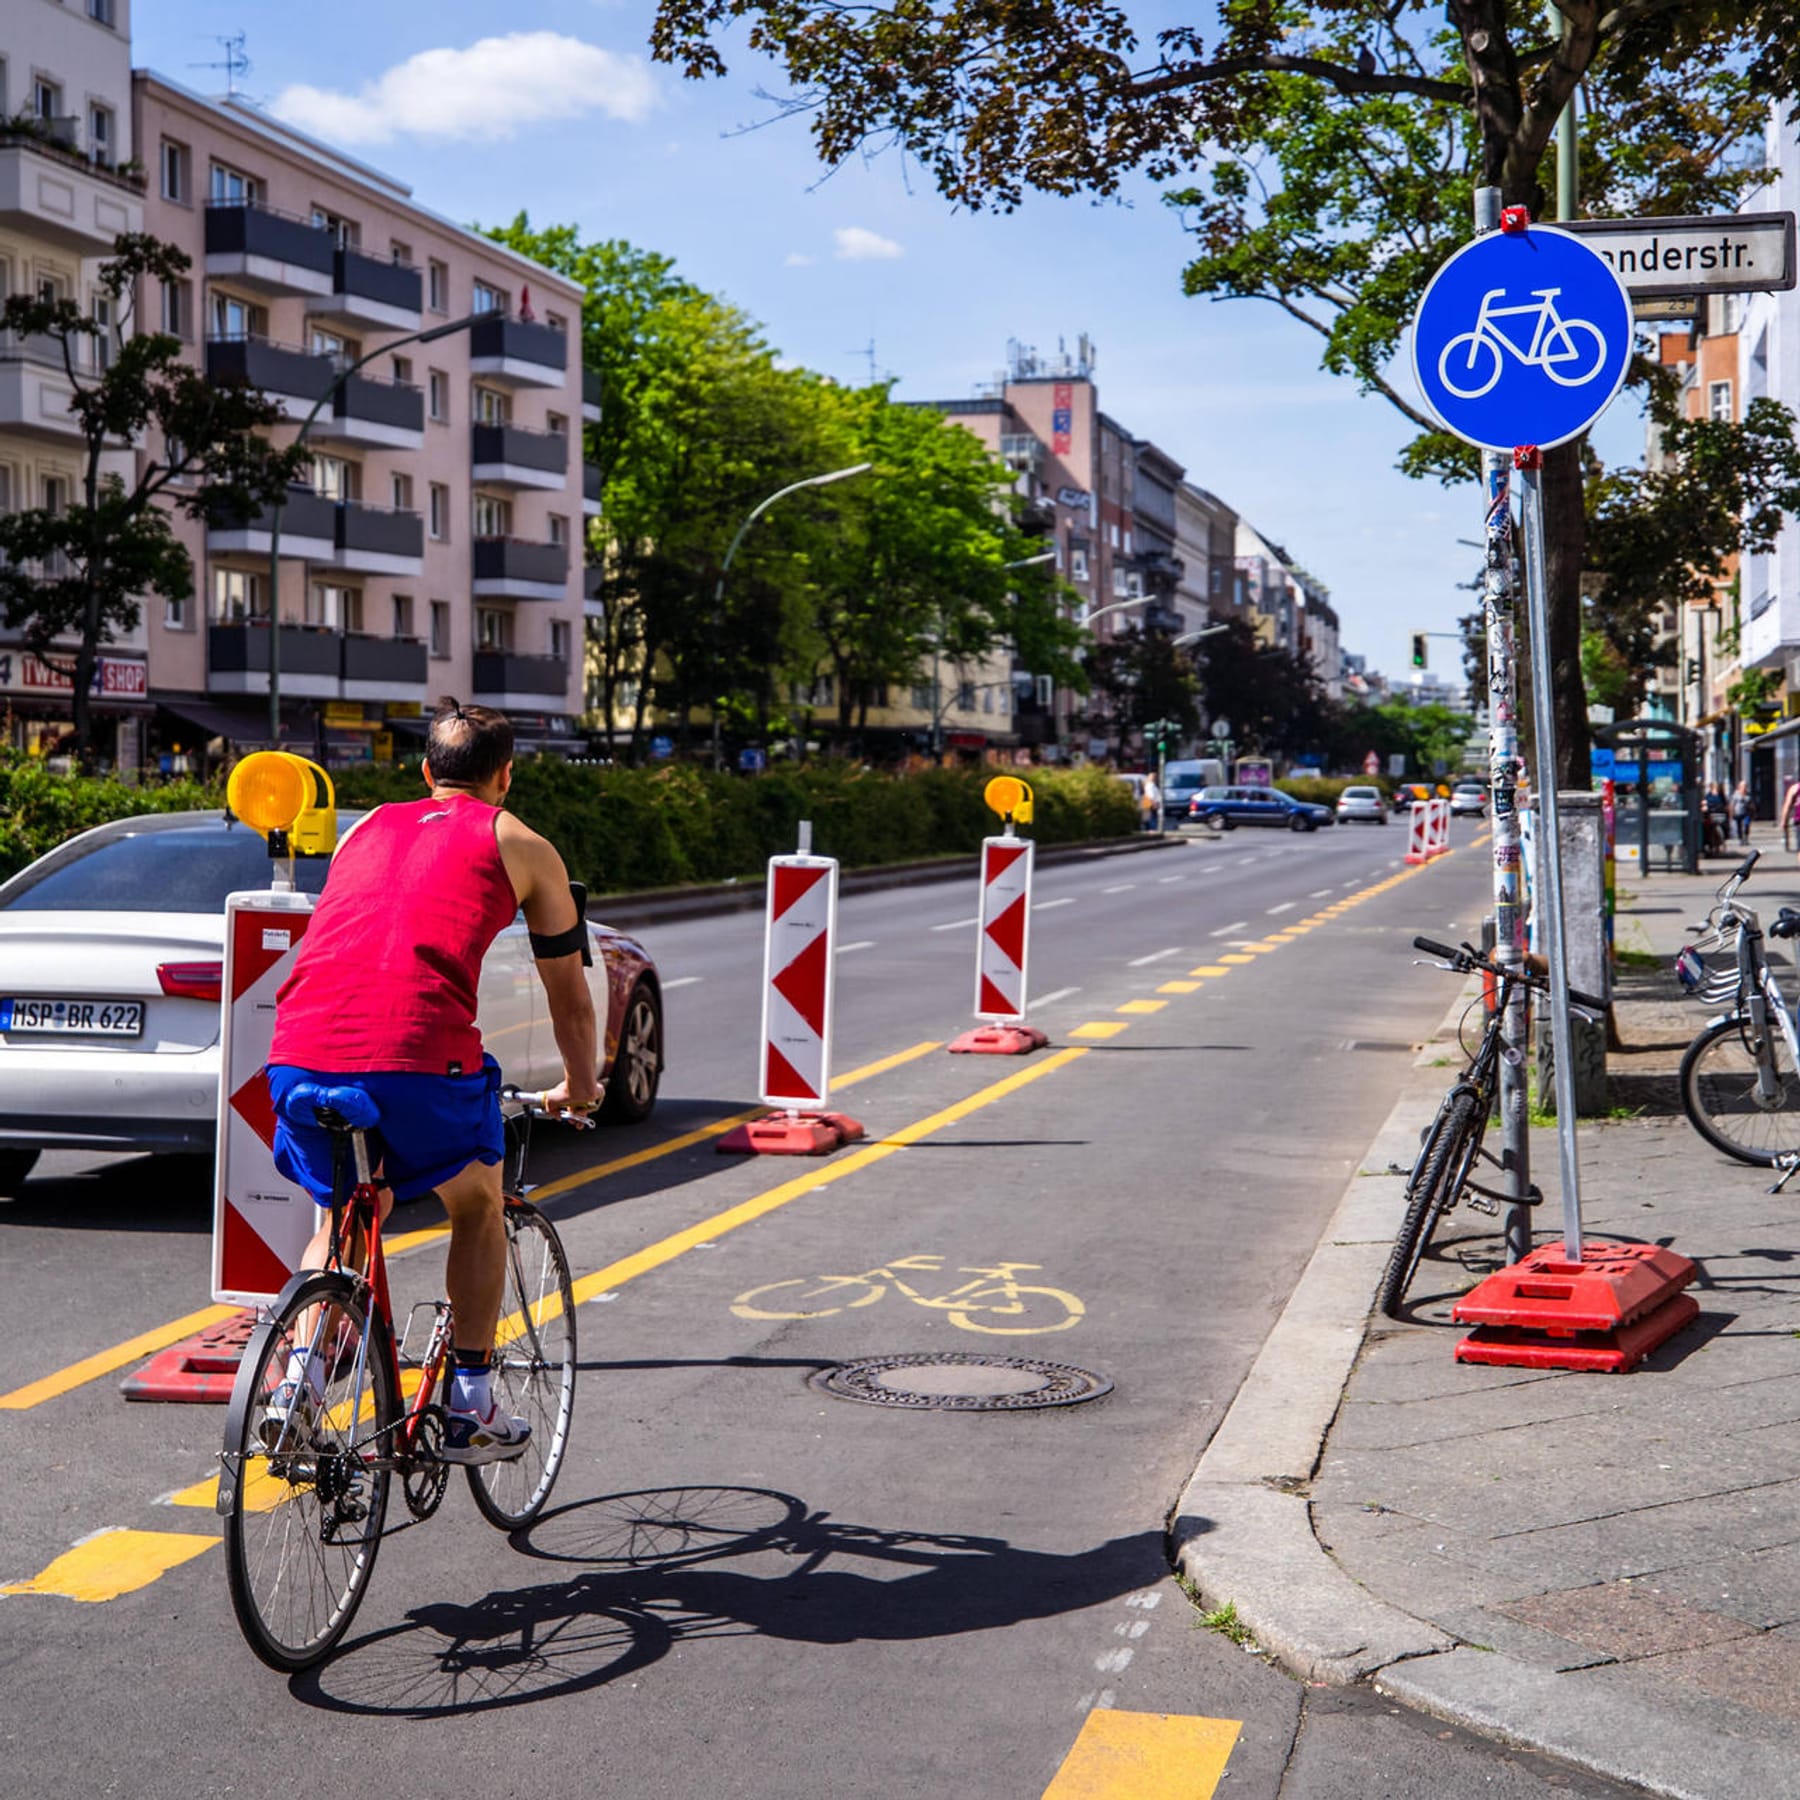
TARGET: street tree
(1330,150)
(72,581)
(1138,677)
(1275,701)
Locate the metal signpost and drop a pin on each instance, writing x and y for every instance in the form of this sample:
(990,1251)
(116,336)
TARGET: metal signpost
(1521,342)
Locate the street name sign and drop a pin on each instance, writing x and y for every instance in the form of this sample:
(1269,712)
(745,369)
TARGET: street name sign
(1522,337)
(1731,253)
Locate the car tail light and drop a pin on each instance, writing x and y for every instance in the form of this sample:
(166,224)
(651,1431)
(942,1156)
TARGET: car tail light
(191,980)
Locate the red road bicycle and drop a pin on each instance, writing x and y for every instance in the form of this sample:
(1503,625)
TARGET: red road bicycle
(304,1494)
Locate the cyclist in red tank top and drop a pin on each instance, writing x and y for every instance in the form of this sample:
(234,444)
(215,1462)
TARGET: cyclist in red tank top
(382,995)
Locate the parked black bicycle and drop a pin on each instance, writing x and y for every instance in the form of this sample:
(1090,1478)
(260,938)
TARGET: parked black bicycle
(1452,1144)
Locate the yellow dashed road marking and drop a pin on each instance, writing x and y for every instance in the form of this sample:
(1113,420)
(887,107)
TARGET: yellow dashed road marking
(1100,1028)
(1142,1006)
(1210,969)
(1145,1756)
(1179,987)
(112,1563)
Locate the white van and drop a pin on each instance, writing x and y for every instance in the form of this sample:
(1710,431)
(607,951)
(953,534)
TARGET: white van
(1182,781)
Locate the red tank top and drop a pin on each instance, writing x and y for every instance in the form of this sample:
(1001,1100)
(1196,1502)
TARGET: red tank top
(387,975)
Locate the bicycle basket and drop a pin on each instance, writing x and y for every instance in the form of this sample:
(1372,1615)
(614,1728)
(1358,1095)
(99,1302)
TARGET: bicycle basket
(1690,968)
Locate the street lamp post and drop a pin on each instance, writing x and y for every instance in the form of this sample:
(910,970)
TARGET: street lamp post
(416,337)
(937,691)
(756,512)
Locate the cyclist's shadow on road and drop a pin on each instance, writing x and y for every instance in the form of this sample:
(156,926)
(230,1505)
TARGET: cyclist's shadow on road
(648,1570)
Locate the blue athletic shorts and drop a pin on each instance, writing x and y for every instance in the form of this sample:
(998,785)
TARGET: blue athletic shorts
(432,1127)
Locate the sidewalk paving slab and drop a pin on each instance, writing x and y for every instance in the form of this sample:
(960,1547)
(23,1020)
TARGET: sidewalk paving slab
(1605,1568)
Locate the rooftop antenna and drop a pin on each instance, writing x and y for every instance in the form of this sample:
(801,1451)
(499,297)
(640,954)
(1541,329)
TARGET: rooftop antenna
(868,350)
(234,62)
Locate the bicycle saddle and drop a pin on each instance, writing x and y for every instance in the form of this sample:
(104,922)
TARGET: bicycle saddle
(1787,923)
(350,1109)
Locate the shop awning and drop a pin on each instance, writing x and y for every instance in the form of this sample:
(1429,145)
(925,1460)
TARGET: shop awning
(247,727)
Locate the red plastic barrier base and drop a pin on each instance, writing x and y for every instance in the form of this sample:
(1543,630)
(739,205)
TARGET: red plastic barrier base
(999,1040)
(1599,1352)
(791,1134)
(1612,1285)
(200,1368)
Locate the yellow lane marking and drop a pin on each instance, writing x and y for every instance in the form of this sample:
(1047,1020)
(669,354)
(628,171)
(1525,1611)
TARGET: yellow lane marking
(1141,1006)
(1180,987)
(1210,969)
(103,1362)
(112,1563)
(1145,1756)
(615,1275)
(1100,1028)
(1237,957)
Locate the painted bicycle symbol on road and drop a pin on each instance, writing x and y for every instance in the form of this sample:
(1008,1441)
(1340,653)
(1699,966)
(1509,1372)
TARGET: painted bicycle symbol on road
(1572,352)
(993,1301)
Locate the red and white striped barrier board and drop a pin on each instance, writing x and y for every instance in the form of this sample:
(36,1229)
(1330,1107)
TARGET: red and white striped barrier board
(1418,835)
(798,980)
(261,1221)
(1005,936)
(1438,830)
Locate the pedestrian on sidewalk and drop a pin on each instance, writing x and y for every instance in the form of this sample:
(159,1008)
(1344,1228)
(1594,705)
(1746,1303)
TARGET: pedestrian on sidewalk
(1713,809)
(1740,811)
(1789,816)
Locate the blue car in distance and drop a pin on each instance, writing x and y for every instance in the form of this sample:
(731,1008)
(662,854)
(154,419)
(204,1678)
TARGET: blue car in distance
(1225,808)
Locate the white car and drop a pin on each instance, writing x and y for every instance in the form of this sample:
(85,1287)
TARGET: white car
(1469,797)
(1362,803)
(111,953)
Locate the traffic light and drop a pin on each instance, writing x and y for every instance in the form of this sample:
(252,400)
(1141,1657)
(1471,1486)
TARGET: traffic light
(1418,649)
(1693,671)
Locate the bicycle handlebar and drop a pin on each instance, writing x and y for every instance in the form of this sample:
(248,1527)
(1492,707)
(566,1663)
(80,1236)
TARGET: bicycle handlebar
(533,1103)
(1468,959)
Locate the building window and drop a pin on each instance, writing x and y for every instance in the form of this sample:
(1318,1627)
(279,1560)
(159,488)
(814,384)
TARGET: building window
(440,629)
(103,337)
(178,309)
(493,406)
(175,614)
(559,639)
(341,349)
(339,608)
(488,299)
(237,596)
(333,478)
(400,253)
(437,286)
(965,696)
(559,529)
(557,425)
(175,183)
(100,135)
(402,371)
(46,99)
(101,12)
(344,232)
(403,616)
(437,389)
(924,698)
(493,629)
(1718,400)
(235,318)
(493,518)
(401,488)
(1078,569)
(232,187)
(6,488)
(439,515)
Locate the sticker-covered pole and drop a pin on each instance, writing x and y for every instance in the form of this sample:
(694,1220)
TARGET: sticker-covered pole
(1530,464)
(1497,617)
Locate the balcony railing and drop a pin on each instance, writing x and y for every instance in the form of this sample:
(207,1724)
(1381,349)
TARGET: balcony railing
(275,368)
(500,672)
(56,140)
(356,277)
(304,515)
(242,646)
(517,447)
(504,559)
(386,405)
(590,482)
(378,530)
(242,228)
(396,662)
(496,337)
(591,390)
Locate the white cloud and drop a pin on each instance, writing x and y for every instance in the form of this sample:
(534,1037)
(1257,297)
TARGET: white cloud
(490,90)
(857,244)
(796,259)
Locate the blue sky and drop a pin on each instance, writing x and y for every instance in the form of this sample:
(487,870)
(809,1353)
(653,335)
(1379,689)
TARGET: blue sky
(599,137)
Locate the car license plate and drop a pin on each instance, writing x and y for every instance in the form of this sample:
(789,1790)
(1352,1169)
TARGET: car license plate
(73,1017)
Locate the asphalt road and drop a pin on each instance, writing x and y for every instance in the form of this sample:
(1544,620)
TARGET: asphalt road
(745,1586)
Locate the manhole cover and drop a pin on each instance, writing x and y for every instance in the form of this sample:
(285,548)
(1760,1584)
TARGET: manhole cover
(961,1381)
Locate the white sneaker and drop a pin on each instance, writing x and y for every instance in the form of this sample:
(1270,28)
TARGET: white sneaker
(483,1438)
(288,1419)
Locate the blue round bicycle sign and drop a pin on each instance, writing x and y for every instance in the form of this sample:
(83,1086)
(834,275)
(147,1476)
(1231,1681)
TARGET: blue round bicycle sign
(1522,338)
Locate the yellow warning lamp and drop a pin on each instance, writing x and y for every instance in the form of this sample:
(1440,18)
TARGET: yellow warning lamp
(274,790)
(1010,798)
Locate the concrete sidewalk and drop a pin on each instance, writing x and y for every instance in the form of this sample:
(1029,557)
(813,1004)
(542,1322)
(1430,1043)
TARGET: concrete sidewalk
(1602,1567)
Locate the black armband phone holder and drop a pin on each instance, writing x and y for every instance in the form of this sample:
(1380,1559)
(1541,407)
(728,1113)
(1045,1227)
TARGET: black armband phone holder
(545,945)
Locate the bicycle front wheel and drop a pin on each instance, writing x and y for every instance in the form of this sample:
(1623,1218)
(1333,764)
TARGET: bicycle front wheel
(534,1369)
(1719,1094)
(304,1490)
(1436,1185)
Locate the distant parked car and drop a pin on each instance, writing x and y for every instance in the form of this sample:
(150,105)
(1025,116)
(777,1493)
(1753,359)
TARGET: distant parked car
(1362,803)
(1469,797)
(1225,808)
(1409,791)
(1183,780)
(111,962)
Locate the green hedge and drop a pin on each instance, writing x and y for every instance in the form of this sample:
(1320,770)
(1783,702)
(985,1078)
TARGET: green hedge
(642,828)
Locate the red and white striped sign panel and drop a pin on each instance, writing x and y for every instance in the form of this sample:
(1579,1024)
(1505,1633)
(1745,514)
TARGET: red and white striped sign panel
(261,1221)
(1005,929)
(798,980)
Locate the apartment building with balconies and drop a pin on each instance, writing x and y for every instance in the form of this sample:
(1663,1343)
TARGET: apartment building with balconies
(435,546)
(68,188)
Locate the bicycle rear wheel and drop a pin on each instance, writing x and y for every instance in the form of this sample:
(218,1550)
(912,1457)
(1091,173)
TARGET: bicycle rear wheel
(1718,1094)
(1436,1185)
(304,1497)
(534,1369)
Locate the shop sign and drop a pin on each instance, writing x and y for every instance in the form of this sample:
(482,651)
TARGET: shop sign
(345,715)
(117,677)
(403,709)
